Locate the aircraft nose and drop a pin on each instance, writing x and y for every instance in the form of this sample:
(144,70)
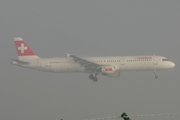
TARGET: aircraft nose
(172,64)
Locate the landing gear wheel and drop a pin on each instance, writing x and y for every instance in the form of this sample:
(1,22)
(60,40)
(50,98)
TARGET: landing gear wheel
(95,79)
(156,77)
(155,74)
(91,77)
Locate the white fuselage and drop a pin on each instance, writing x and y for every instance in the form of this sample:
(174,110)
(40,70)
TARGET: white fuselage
(124,63)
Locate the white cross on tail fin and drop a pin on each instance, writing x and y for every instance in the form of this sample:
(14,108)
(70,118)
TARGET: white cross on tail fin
(23,50)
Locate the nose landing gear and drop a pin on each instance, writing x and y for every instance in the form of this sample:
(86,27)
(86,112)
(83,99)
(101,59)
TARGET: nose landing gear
(155,74)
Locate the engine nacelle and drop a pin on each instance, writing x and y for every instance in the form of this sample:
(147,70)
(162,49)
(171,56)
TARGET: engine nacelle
(111,71)
(108,69)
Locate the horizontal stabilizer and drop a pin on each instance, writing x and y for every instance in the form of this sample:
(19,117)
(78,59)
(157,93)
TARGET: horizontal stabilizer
(20,62)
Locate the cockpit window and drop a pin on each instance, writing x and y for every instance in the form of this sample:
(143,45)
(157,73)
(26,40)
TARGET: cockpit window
(165,59)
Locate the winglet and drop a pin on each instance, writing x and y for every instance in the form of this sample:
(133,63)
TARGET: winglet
(68,55)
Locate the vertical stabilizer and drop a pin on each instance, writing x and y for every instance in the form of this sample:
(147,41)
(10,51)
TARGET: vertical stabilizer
(23,50)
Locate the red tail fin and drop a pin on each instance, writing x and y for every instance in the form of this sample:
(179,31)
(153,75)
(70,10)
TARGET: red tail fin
(23,50)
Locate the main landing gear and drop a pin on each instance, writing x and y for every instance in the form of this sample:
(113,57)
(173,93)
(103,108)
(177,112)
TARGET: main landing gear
(155,74)
(92,77)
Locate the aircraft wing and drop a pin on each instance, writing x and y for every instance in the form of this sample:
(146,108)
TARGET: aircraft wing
(89,66)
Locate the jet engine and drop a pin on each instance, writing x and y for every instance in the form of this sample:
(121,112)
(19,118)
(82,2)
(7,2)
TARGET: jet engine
(111,71)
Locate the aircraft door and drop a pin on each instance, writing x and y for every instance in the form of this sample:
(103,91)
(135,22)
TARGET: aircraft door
(122,62)
(155,60)
(38,64)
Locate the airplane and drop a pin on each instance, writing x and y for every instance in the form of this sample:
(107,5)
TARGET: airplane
(107,66)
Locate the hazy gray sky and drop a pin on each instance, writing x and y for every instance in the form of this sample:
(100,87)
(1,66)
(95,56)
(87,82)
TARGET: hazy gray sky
(89,28)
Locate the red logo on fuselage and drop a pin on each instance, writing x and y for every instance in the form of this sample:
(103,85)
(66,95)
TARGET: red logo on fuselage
(108,69)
